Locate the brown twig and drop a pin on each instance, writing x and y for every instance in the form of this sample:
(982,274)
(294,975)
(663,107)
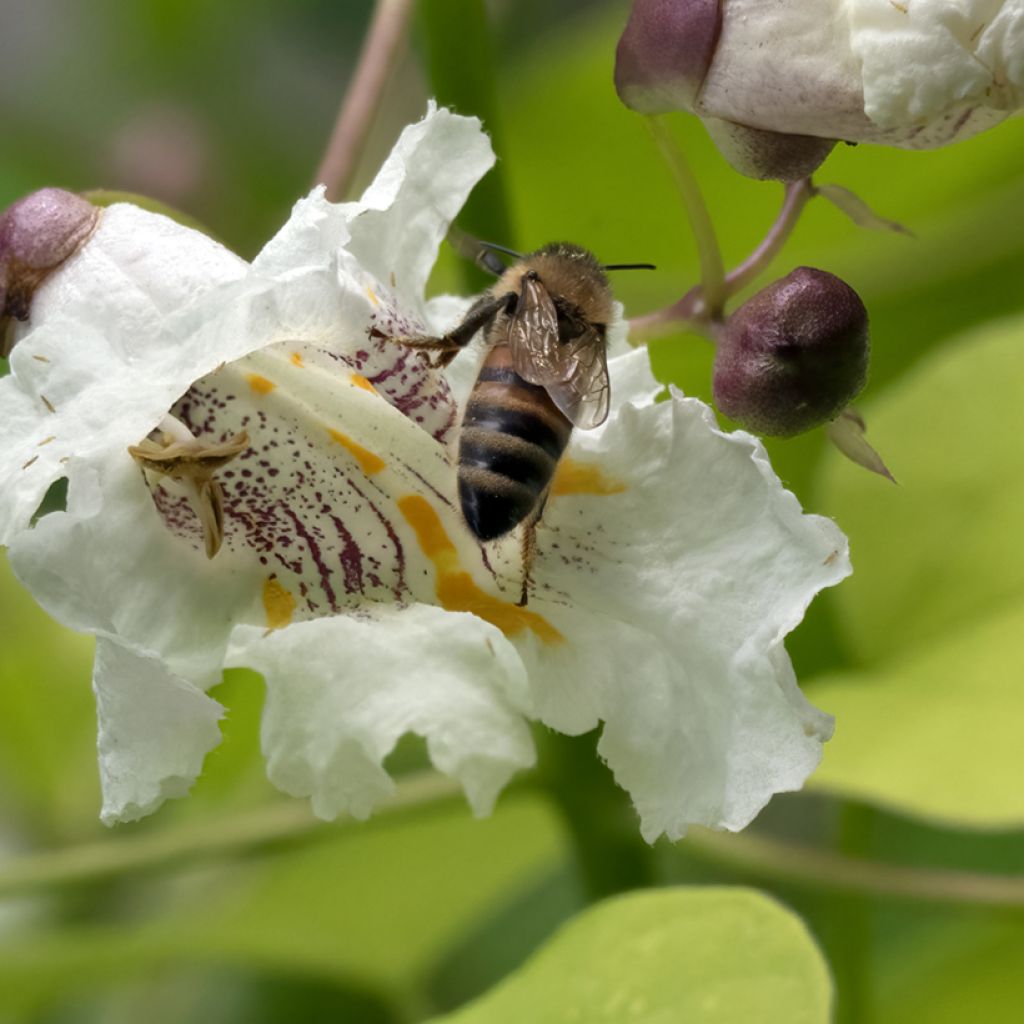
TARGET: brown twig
(380,51)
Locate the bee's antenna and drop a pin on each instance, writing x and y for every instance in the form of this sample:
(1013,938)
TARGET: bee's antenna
(501,248)
(629,266)
(471,248)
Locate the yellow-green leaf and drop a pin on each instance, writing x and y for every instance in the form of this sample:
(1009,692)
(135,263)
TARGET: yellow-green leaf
(935,735)
(703,956)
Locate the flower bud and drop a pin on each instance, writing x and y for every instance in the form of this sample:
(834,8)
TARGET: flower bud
(917,75)
(665,52)
(793,356)
(37,234)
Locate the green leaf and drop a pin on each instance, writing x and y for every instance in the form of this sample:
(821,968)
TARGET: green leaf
(935,609)
(958,969)
(942,549)
(702,956)
(936,734)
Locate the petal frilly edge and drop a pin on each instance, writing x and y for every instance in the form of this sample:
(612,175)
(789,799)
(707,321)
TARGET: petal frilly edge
(685,576)
(342,691)
(155,728)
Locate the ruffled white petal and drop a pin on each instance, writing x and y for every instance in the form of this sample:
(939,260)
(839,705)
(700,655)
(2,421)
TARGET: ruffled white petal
(103,358)
(155,728)
(363,265)
(398,224)
(671,562)
(341,691)
(684,577)
(918,74)
(923,61)
(109,566)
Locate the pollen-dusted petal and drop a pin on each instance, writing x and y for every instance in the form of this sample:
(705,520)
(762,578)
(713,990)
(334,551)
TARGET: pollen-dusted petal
(342,308)
(341,691)
(155,728)
(314,498)
(683,585)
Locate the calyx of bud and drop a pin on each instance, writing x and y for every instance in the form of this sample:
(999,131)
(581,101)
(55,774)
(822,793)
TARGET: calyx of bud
(37,234)
(665,52)
(793,356)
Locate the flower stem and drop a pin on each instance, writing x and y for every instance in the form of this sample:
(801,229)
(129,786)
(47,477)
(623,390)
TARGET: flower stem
(818,869)
(379,54)
(290,823)
(610,854)
(712,269)
(796,198)
(693,309)
(848,945)
(285,823)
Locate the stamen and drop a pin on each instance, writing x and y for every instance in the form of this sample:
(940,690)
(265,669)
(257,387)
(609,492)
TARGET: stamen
(180,456)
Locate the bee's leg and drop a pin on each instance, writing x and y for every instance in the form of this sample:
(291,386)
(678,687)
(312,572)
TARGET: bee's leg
(529,548)
(448,346)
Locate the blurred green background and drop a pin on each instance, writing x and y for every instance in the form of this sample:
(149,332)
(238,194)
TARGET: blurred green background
(223,110)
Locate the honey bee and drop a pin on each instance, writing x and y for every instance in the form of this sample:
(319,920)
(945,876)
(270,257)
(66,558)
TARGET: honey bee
(545,372)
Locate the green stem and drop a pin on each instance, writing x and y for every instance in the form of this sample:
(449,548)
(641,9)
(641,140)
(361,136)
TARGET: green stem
(602,822)
(849,945)
(599,815)
(712,268)
(255,832)
(774,860)
(461,62)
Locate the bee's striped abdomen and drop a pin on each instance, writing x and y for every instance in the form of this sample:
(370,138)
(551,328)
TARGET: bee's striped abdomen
(511,439)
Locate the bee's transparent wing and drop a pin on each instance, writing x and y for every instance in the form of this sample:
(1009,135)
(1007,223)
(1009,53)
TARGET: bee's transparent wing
(575,374)
(533,335)
(582,393)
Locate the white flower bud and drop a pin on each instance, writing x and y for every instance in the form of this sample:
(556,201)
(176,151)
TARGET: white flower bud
(916,74)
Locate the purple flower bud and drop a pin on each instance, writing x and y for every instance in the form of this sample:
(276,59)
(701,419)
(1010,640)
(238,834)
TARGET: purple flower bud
(793,356)
(37,234)
(665,52)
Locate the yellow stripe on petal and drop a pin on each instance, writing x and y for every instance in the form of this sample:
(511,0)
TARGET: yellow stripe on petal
(278,603)
(361,382)
(579,478)
(296,358)
(261,385)
(369,462)
(456,590)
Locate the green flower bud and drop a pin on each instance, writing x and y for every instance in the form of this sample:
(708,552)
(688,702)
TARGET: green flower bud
(37,234)
(793,356)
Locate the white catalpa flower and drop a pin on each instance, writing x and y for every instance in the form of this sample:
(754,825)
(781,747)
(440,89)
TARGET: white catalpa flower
(913,73)
(274,424)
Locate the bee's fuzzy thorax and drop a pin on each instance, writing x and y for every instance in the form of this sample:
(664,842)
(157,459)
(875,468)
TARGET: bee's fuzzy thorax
(566,270)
